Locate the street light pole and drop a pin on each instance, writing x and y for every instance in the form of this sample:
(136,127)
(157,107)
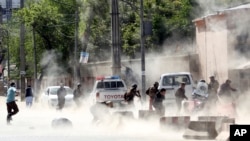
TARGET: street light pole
(76,44)
(143,75)
(8,63)
(115,37)
(35,61)
(22,56)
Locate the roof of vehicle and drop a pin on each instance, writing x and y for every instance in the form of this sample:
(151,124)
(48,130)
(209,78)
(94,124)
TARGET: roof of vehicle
(108,78)
(57,87)
(176,73)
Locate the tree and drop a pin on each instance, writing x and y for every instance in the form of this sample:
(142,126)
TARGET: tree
(54,23)
(170,18)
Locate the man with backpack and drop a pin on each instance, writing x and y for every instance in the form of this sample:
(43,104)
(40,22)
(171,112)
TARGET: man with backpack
(151,92)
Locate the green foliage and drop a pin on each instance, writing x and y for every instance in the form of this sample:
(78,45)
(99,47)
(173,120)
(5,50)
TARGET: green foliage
(168,17)
(54,24)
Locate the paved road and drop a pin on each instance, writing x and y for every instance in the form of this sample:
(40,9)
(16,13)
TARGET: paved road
(34,124)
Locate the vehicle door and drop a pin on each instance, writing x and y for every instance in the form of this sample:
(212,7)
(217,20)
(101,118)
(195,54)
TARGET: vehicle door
(167,82)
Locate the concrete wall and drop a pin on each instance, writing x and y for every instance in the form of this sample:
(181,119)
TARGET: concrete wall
(154,67)
(219,46)
(212,47)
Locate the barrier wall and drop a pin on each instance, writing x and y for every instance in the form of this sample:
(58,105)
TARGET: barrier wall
(147,114)
(178,122)
(224,134)
(201,130)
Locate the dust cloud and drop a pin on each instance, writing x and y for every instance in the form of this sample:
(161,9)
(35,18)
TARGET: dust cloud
(36,122)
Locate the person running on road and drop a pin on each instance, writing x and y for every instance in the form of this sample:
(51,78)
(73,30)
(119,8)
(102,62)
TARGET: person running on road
(78,94)
(151,92)
(101,111)
(225,90)
(157,103)
(213,88)
(28,96)
(61,93)
(12,107)
(180,96)
(129,96)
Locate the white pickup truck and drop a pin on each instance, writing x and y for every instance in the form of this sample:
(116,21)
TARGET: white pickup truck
(108,88)
(171,82)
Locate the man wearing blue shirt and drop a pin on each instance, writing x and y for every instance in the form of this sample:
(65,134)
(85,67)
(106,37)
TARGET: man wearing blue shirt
(12,108)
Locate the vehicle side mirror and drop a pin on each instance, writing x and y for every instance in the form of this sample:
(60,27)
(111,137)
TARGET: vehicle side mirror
(47,92)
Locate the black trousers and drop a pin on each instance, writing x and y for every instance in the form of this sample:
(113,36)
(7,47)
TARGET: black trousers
(61,103)
(160,109)
(12,109)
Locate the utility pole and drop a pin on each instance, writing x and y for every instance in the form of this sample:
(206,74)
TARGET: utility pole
(76,44)
(1,14)
(35,61)
(8,9)
(143,74)
(22,56)
(8,53)
(116,39)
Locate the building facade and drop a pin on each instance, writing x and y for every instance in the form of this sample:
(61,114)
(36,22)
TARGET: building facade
(223,43)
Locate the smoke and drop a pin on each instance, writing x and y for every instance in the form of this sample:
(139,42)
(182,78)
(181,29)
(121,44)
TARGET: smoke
(208,7)
(37,120)
(35,123)
(242,107)
(235,29)
(53,72)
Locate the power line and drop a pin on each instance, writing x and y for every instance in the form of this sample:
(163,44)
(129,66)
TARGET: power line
(64,34)
(58,25)
(63,3)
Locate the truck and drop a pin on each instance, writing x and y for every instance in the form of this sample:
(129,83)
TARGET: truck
(171,82)
(108,88)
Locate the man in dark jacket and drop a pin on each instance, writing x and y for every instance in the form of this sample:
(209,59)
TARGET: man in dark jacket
(29,96)
(61,93)
(78,94)
(225,89)
(157,103)
(180,96)
(151,92)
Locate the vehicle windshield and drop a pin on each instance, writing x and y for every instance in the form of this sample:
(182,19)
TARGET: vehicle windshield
(53,91)
(175,80)
(110,84)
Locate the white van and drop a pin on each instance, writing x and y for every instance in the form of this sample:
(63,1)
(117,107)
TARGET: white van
(171,82)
